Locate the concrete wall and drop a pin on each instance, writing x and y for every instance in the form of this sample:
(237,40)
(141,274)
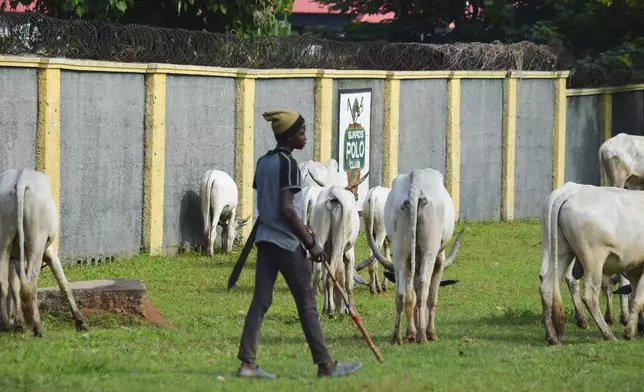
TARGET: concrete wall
(583,139)
(481,143)
(422,129)
(283,94)
(18,118)
(377,123)
(628,113)
(200,136)
(101,166)
(534,140)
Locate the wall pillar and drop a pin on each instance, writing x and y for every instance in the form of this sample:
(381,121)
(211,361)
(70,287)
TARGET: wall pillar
(605,125)
(323,120)
(154,162)
(391,130)
(509,147)
(453,169)
(559,134)
(244,149)
(48,133)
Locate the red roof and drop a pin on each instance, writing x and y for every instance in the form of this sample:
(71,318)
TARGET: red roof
(313,7)
(20,7)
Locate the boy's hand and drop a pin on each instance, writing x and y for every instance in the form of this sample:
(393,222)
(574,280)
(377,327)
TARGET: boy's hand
(317,254)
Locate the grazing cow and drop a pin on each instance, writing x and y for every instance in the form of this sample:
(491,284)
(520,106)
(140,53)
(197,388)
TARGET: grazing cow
(28,226)
(419,220)
(219,198)
(373,218)
(622,159)
(600,227)
(335,221)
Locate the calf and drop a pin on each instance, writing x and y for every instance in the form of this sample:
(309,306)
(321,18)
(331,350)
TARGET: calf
(28,226)
(419,220)
(219,198)
(600,227)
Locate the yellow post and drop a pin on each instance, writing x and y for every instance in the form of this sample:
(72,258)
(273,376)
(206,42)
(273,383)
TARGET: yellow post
(606,125)
(559,134)
(154,162)
(391,130)
(322,128)
(48,133)
(244,149)
(453,172)
(509,146)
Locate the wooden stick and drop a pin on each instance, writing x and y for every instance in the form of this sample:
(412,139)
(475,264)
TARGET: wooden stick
(354,315)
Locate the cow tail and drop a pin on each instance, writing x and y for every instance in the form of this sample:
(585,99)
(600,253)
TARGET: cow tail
(413,221)
(208,192)
(20,195)
(372,202)
(554,207)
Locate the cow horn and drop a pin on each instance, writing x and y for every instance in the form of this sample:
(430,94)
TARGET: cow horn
(316,180)
(242,222)
(351,187)
(364,264)
(372,244)
(454,252)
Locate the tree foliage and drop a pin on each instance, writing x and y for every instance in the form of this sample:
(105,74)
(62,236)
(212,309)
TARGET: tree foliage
(245,18)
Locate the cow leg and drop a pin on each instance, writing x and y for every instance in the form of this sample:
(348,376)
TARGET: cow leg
(410,302)
(386,247)
(340,277)
(349,265)
(4,285)
(573,287)
(623,302)
(636,307)
(13,304)
(592,286)
(432,301)
(229,234)
(608,293)
(400,300)
(212,234)
(550,294)
(51,258)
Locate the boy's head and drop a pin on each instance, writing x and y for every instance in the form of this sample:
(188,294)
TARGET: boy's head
(288,127)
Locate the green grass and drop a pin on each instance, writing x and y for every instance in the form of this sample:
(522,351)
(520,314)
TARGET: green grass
(495,305)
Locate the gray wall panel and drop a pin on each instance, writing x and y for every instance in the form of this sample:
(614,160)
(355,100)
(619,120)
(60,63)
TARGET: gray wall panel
(200,136)
(422,130)
(534,152)
(102,117)
(628,113)
(18,118)
(583,139)
(481,143)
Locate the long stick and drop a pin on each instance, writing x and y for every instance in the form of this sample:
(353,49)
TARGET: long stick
(354,315)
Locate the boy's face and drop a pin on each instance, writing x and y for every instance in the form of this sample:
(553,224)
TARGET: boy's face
(298,141)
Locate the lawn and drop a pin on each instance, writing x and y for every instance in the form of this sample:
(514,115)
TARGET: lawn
(490,334)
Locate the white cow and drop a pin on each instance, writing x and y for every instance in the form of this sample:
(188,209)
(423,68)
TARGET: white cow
(601,227)
(335,221)
(622,159)
(219,198)
(419,220)
(28,225)
(373,218)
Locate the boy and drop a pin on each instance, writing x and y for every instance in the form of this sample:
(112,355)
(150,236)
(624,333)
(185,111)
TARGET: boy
(280,239)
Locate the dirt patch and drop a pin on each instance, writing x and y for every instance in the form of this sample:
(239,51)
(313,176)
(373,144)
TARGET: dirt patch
(153,316)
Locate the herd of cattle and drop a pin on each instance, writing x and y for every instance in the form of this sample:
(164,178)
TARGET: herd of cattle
(588,231)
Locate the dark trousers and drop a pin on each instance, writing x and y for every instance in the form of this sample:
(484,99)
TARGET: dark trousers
(296,270)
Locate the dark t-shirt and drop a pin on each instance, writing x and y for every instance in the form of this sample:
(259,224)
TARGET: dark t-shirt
(276,171)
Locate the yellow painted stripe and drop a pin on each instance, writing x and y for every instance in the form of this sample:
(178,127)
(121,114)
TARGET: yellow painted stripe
(322,128)
(606,124)
(453,172)
(509,148)
(244,150)
(604,90)
(154,163)
(559,135)
(48,134)
(391,131)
